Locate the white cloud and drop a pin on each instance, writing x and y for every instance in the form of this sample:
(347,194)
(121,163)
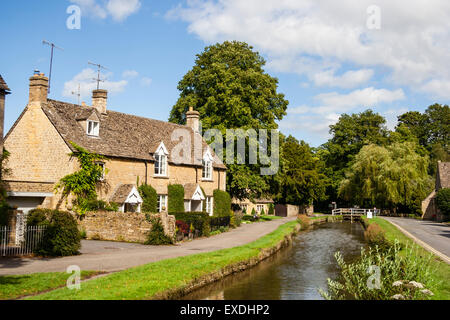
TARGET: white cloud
(84,79)
(412,46)
(119,10)
(437,88)
(391,117)
(349,79)
(130,74)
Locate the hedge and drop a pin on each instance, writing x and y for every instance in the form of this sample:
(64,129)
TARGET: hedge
(176,198)
(222,203)
(199,220)
(443,201)
(217,222)
(149,197)
(271,210)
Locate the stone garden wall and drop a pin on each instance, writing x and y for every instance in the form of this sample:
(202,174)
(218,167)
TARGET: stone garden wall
(119,226)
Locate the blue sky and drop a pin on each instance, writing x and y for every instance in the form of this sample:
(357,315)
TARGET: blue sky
(328,61)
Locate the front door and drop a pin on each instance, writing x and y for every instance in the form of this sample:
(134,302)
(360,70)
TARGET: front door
(196,206)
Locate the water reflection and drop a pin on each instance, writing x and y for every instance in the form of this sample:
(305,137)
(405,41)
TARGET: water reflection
(296,272)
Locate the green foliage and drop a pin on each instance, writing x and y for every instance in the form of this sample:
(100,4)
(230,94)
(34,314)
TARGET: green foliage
(375,235)
(387,177)
(176,198)
(39,217)
(230,89)
(93,205)
(394,267)
(82,183)
(253,212)
(61,238)
(3,162)
(4,212)
(271,211)
(302,174)
(157,236)
(199,220)
(262,213)
(218,222)
(222,203)
(149,197)
(443,201)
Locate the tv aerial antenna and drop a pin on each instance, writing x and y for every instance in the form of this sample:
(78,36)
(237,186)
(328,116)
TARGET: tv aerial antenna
(78,93)
(53,46)
(99,69)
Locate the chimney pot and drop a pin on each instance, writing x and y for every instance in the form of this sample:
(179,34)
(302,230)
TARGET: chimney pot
(38,89)
(99,100)
(193,119)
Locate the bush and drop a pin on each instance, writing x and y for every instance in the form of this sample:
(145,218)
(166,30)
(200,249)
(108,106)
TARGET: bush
(305,222)
(262,213)
(149,197)
(39,217)
(84,205)
(443,201)
(4,213)
(253,212)
(61,238)
(401,275)
(157,236)
(176,198)
(248,217)
(199,220)
(374,235)
(271,210)
(217,222)
(222,203)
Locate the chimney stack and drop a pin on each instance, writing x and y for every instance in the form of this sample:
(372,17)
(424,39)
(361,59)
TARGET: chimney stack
(193,119)
(99,99)
(38,89)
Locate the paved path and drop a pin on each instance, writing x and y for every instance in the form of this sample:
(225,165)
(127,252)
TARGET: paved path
(435,236)
(115,256)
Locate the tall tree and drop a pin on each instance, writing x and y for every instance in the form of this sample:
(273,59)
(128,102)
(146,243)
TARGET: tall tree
(230,89)
(301,178)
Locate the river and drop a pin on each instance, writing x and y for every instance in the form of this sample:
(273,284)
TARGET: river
(296,272)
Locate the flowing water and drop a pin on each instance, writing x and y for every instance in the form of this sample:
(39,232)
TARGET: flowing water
(296,272)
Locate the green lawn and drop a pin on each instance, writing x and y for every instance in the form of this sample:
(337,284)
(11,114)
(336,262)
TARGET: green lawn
(14,287)
(269,218)
(442,269)
(144,282)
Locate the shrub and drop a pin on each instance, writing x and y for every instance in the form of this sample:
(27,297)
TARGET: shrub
(271,210)
(61,238)
(443,201)
(176,198)
(4,213)
(199,220)
(222,203)
(253,212)
(39,217)
(248,217)
(262,213)
(149,197)
(305,222)
(84,205)
(396,268)
(374,235)
(217,222)
(157,236)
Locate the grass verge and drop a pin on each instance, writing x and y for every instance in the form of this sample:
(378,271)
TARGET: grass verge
(148,281)
(15,287)
(442,269)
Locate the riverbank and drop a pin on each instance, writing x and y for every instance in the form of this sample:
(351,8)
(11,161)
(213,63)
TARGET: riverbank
(441,272)
(172,278)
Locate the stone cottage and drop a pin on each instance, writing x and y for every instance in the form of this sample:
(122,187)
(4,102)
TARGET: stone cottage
(259,205)
(136,149)
(429,208)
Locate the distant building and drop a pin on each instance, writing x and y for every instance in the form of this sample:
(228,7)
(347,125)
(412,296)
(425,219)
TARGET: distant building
(259,205)
(429,207)
(135,149)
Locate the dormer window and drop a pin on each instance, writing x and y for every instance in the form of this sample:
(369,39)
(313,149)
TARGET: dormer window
(161,161)
(93,128)
(207,166)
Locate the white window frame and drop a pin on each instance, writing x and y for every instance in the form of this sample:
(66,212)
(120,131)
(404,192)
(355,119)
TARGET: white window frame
(259,208)
(209,205)
(161,161)
(207,166)
(162,202)
(93,128)
(103,165)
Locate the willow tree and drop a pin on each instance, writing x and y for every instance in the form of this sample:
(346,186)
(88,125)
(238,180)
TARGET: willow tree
(388,177)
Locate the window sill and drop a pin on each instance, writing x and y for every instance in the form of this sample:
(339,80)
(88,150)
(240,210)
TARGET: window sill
(207,180)
(160,177)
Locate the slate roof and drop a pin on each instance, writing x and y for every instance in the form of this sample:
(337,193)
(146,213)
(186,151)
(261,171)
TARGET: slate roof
(3,85)
(443,175)
(121,135)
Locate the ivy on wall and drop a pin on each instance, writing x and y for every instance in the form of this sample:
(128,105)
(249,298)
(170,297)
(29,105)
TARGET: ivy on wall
(149,197)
